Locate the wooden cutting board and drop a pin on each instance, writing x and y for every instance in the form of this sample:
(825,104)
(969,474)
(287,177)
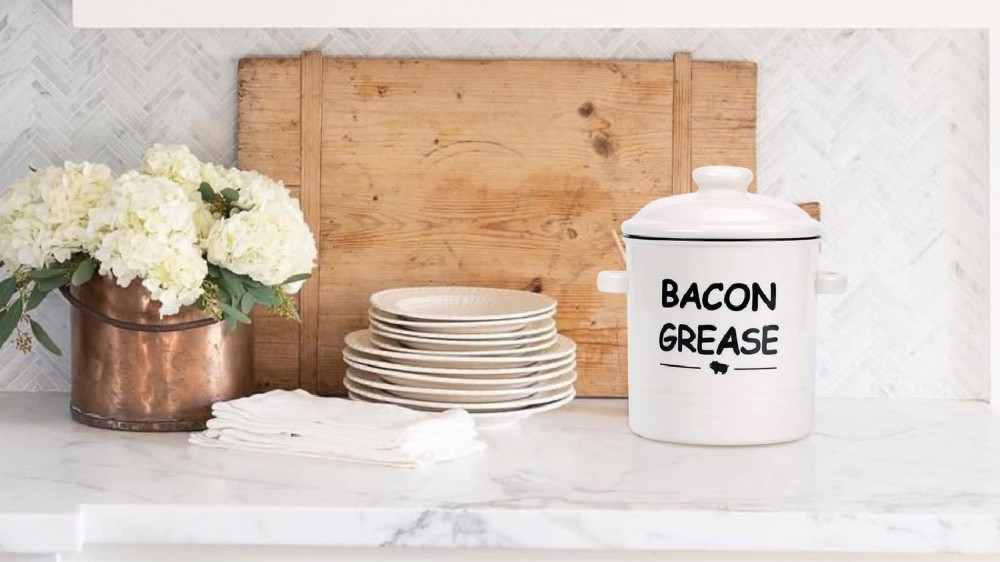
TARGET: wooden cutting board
(495,173)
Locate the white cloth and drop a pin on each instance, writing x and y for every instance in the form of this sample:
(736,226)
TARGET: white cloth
(299,423)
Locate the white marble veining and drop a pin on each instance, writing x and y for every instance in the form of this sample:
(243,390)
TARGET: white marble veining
(879,476)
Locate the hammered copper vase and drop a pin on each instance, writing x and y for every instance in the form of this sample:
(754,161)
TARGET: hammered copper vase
(133,371)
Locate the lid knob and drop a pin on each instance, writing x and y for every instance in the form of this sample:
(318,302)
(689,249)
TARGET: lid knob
(719,180)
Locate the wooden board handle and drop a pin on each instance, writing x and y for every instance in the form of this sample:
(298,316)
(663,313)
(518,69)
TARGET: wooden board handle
(310,129)
(681,148)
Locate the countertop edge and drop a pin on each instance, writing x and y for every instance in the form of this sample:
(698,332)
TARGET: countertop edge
(460,527)
(37,533)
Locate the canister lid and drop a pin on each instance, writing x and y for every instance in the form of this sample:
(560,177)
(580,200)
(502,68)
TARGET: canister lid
(721,209)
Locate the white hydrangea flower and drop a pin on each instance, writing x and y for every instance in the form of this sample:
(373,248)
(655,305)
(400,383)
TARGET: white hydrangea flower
(269,240)
(173,161)
(153,225)
(147,230)
(43,218)
(260,192)
(177,163)
(220,177)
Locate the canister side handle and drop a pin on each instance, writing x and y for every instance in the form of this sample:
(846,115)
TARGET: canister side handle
(612,281)
(830,283)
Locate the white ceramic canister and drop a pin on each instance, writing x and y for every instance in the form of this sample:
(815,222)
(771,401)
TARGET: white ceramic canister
(721,288)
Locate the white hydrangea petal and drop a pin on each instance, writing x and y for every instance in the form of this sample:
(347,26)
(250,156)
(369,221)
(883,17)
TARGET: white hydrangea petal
(270,240)
(45,217)
(150,234)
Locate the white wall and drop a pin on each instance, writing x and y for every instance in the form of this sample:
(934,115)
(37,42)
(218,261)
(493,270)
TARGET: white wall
(888,129)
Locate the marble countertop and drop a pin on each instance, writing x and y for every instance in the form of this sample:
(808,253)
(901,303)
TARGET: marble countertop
(877,476)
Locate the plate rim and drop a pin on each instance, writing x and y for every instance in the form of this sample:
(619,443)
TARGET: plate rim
(466,336)
(459,353)
(374,313)
(571,350)
(569,378)
(472,344)
(528,411)
(419,369)
(379,300)
(515,415)
(462,371)
(558,371)
(530,401)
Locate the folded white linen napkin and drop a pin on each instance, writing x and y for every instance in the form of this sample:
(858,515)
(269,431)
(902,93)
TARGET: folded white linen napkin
(299,423)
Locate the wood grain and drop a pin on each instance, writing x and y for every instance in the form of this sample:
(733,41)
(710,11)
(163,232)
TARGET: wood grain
(812,208)
(724,115)
(269,103)
(311,163)
(682,124)
(493,173)
(268,138)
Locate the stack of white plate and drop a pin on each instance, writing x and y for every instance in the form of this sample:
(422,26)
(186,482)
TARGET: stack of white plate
(493,352)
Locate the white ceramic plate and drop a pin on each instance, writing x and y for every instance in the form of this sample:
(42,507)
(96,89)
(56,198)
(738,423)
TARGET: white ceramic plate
(498,373)
(463,396)
(461,304)
(435,381)
(427,344)
(477,327)
(495,420)
(536,328)
(383,396)
(360,340)
(390,344)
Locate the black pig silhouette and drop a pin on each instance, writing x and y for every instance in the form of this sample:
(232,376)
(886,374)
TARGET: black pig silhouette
(718,368)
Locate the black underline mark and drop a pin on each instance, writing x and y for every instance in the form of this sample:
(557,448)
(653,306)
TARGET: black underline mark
(754,368)
(637,237)
(679,366)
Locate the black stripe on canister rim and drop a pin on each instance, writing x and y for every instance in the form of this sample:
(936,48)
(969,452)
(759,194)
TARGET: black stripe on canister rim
(634,237)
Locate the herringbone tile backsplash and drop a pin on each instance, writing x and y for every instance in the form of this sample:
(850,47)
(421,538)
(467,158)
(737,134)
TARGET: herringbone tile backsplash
(887,128)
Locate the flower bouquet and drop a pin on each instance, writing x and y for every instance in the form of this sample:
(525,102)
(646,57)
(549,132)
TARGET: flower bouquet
(193,234)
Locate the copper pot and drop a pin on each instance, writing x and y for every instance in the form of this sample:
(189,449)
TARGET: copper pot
(134,371)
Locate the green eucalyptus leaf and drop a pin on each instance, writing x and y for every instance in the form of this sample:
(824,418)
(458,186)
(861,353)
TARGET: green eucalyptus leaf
(206,191)
(233,315)
(36,297)
(223,296)
(247,302)
(251,283)
(7,289)
(214,270)
(50,283)
(9,319)
(230,194)
(48,273)
(296,278)
(43,338)
(264,295)
(84,272)
(229,310)
(231,282)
